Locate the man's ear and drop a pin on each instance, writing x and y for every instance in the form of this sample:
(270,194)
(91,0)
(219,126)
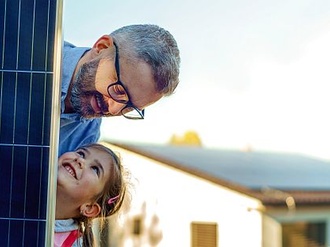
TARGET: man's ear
(90,210)
(103,42)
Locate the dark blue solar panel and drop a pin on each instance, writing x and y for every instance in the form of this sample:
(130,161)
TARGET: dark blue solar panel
(23,233)
(27,31)
(10,32)
(7,107)
(26,34)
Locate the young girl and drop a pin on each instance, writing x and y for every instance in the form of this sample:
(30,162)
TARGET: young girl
(90,184)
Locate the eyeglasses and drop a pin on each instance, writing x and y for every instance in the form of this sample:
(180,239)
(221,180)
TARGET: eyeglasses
(118,93)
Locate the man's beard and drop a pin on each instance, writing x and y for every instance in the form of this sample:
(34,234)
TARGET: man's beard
(83,90)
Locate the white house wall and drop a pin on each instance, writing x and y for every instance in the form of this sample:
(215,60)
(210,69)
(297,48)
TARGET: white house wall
(179,199)
(272,232)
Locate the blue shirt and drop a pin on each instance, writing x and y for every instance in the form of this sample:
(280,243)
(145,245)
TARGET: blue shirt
(75,130)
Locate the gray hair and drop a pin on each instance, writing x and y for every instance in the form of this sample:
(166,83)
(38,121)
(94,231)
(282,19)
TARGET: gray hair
(155,46)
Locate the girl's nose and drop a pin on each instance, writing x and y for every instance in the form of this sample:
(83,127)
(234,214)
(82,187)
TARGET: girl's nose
(80,162)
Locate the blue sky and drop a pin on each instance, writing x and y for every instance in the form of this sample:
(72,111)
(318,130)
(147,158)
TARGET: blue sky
(254,73)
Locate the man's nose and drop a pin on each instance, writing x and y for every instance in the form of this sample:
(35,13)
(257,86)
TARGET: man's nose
(115,107)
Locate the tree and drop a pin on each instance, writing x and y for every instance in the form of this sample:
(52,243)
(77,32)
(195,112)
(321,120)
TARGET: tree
(190,138)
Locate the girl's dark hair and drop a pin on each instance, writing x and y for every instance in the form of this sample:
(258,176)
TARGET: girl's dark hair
(114,187)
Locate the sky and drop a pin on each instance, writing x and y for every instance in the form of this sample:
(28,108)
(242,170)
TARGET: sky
(254,74)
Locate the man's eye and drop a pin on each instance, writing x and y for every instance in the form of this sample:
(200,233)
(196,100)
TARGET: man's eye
(81,154)
(96,169)
(119,90)
(118,93)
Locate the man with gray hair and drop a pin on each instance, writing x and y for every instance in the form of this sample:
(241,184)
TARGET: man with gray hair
(121,75)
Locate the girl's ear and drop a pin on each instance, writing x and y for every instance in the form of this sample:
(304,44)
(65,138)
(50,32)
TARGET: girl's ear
(90,210)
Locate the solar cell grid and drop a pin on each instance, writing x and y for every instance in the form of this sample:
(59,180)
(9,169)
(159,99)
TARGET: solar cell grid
(27,44)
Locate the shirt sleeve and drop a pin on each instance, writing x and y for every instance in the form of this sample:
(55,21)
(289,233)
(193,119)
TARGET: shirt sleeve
(74,134)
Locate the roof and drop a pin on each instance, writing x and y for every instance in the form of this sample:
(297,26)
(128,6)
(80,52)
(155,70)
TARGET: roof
(264,175)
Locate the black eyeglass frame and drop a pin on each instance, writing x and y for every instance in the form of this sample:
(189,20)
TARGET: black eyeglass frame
(128,103)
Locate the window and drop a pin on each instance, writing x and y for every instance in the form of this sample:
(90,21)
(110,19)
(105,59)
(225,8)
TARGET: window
(204,234)
(303,234)
(137,226)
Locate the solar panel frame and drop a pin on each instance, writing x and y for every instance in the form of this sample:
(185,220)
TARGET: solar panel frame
(30,60)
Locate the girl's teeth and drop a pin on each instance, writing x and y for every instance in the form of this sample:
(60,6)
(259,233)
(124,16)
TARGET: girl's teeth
(69,169)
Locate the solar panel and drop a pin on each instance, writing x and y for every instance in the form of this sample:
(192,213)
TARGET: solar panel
(30,41)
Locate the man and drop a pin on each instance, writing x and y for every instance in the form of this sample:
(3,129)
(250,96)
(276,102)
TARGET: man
(122,74)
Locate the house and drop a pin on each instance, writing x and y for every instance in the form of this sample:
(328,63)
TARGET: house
(201,197)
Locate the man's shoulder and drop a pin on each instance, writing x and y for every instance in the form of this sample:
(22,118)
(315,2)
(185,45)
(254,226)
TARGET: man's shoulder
(74,119)
(73,51)
(77,131)
(68,44)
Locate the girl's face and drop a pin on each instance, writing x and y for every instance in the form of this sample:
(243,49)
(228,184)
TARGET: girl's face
(82,175)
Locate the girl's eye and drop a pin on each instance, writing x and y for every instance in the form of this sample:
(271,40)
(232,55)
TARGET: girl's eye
(81,154)
(96,169)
